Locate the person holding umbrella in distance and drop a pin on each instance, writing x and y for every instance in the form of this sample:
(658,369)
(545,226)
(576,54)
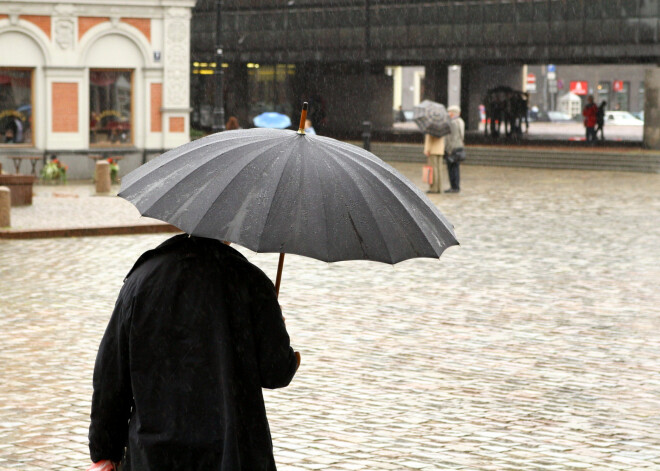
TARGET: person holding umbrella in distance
(433,120)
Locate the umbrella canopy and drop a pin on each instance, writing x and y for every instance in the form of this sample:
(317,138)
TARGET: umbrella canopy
(432,118)
(271,119)
(281,191)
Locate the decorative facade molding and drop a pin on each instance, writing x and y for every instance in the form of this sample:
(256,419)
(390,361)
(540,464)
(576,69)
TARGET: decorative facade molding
(176,12)
(64,33)
(65,9)
(176,61)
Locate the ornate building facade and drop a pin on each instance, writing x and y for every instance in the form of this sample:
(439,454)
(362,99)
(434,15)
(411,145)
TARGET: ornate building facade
(93,77)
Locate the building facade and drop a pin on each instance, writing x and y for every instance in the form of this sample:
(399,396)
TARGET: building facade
(620,85)
(337,54)
(107,77)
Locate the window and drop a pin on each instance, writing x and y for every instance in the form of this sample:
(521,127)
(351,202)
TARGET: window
(110,107)
(270,88)
(621,95)
(603,93)
(16,106)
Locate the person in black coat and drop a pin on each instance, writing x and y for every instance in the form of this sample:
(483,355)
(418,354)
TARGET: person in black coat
(195,334)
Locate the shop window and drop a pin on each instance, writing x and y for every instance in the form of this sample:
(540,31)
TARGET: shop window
(270,88)
(110,107)
(16,106)
(603,93)
(621,95)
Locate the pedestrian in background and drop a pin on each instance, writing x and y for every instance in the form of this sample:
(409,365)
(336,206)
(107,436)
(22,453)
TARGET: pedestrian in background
(600,120)
(455,148)
(400,115)
(232,123)
(309,129)
(195,335)
(590,113)
(434,150)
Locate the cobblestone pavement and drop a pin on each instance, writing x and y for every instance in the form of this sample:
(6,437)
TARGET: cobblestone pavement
(74,205)
(535,345)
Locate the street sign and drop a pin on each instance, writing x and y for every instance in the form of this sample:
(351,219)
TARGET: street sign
(552,86)
(531,83)
(551,68)
(580,87)
(551,75)
(617,85)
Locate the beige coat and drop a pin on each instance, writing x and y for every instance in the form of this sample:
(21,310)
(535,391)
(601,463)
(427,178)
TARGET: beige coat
(434,145)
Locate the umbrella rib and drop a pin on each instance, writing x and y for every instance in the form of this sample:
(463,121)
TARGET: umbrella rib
(272,200)
(227,186)
(400,202)
(188,148)
(325,213)
(396,175)
(359,191)
(181,181)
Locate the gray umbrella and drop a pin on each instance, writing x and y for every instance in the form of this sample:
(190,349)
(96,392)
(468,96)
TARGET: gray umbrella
(432,118)
(283,191)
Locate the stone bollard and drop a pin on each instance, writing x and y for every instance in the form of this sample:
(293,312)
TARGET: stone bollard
(5,206)
(102,176)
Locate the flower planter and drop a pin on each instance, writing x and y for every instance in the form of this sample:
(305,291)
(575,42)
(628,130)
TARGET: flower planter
(20,187)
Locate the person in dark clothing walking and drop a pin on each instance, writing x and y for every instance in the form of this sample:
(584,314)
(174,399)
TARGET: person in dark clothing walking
(455,149)
(600,120)
(195,335)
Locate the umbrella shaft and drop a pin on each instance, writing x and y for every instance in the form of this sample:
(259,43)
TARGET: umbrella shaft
(280,265)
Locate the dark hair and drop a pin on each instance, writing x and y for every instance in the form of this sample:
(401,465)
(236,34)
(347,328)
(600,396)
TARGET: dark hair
(232,123)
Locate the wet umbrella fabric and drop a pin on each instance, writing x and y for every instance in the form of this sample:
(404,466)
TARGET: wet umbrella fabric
(432,118)
(272,120)
(280,191)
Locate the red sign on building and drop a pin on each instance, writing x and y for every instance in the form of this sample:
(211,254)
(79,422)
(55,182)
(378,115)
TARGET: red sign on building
(580,87)
(617,85)
(531,82)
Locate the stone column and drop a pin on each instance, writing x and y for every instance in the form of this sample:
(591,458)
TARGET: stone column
(436,83)
(176,86)
(102,177)
(5,206)
(652,109)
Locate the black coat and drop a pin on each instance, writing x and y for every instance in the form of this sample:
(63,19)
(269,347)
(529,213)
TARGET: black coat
(195,334)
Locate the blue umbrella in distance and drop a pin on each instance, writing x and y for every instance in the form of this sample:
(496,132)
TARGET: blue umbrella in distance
(271,119)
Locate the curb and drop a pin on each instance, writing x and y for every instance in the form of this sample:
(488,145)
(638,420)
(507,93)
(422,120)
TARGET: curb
(88,231)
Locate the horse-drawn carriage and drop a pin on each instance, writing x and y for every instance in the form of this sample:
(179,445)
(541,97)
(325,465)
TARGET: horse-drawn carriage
(507,106)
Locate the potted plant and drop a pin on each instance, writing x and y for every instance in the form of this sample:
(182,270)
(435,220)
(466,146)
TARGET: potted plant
(54,171)
(114,170)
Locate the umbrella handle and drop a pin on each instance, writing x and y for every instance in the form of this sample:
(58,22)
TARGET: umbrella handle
(280,265)
(303,118)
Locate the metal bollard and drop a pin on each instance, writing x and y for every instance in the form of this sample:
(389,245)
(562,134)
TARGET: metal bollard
(102,177)
(366,135)
(5,206)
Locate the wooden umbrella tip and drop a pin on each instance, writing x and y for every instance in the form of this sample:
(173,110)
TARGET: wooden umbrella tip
(303,118)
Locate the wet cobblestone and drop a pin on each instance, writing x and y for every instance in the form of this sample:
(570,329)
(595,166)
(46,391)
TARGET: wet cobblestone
(535,345)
